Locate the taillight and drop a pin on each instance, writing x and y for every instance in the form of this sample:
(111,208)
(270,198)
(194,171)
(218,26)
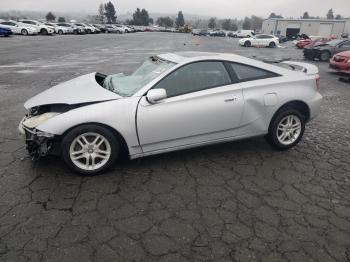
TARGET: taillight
(317,78)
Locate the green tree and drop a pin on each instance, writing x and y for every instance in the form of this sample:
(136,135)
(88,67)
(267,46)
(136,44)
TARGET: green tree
(101,13)
(226,24)
(61,19)
(330,14)
(212,23)
(110,13)
(247,23)
(338,17)
(306,15)
(165,21)
(141,17)
(256,22)
(273,15)
(50,17)
(180,20)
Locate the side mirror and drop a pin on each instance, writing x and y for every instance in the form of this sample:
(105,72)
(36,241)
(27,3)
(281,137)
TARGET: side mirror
(155,95)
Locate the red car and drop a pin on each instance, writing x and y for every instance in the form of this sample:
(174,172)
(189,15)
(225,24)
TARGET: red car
(341,62)
(306,42)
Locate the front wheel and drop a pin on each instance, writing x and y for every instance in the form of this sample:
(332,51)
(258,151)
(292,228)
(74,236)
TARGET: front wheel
(325,56)
(90,149)
(247,44)
(44,32)
(286,129)
(272,45)
(24,32)
(60,32)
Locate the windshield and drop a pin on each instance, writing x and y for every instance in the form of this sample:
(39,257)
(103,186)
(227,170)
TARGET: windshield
(128,85)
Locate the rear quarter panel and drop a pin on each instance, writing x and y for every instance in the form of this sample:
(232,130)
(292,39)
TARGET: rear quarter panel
(264,97)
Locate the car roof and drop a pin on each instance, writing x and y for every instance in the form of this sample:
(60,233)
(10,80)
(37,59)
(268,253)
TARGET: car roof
(185,57)
(188,57)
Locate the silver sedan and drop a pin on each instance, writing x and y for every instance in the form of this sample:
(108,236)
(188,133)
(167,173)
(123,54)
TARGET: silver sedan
(172,101)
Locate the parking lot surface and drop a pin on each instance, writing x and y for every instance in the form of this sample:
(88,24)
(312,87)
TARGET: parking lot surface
(240,201)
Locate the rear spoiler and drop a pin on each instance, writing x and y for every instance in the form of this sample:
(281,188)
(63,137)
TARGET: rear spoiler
(308,69)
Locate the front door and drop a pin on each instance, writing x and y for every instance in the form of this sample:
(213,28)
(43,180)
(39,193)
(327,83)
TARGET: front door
(202,105)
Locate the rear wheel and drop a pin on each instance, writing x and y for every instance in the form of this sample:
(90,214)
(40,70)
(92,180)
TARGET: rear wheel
(24,32)
(90,149)
(325,56)
(286,129)
(60,32)
(247,44)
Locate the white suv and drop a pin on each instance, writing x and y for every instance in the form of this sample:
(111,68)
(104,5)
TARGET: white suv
(19,28)
(60,29)
(244,33)
(42,28)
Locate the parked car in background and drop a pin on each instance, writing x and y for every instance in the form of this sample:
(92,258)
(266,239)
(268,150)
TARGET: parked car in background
(89,119)
(325,51)
(19,28)
(260,41)
(341,62)
(41,28)
(93,28)
(86,28)
(345,35)
(199,32)
(122,28)
(111,29)
(244,33)
(71,27)
(5,31)
(218,33)
(60,29)
(232,34)
(102,28)
(312,41)
(282,38)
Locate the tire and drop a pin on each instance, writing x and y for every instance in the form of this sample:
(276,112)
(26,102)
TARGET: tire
(60,32)
(24,32)
(325,56)
(276,134)
(44,32)
(248,36)
(272,45)
(89,31)
(247,44)
(91,159)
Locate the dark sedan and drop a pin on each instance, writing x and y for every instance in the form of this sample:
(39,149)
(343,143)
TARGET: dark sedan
(325,51)
(5,31)
(281,38)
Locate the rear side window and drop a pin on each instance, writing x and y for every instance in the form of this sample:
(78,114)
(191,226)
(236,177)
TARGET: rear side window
(249,73)
(195,77)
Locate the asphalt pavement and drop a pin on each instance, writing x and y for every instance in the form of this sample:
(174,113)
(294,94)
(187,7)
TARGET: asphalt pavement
(239,201)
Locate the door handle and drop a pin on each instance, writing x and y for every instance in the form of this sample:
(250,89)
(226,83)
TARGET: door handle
(231,99)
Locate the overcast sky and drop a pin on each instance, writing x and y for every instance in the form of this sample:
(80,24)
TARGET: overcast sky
(218,8)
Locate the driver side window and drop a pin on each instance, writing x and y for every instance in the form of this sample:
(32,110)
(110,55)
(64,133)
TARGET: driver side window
(195,77)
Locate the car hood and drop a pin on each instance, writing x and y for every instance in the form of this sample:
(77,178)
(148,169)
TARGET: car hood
(83,89)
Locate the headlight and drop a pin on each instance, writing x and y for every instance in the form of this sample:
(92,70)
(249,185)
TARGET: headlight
(34,121)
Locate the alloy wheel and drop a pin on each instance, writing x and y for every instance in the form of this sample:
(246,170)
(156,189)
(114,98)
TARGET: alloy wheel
(90,151)
(289,129)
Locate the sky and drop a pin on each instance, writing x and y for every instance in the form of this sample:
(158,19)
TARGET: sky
(217,8)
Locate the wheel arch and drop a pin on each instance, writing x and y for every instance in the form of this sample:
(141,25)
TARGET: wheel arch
(299,105)
(124,145)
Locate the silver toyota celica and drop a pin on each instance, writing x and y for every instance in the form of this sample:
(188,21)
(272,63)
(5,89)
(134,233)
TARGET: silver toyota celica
(172,101)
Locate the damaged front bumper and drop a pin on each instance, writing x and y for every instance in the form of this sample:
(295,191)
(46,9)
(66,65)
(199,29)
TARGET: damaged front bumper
(38,143)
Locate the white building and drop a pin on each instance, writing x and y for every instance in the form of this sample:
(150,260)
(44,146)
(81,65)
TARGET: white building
(313,27)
